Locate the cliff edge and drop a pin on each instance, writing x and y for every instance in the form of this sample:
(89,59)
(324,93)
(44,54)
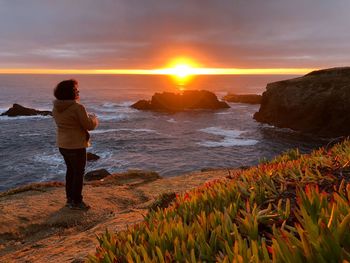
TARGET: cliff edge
(317,103)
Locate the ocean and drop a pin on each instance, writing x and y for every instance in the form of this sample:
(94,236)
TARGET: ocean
(170,144)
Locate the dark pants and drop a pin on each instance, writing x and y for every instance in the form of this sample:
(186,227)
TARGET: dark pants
(75,160)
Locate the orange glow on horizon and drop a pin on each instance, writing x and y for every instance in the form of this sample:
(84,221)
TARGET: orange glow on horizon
(180,71)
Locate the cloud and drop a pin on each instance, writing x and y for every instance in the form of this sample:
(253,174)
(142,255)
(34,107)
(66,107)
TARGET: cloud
(137,33)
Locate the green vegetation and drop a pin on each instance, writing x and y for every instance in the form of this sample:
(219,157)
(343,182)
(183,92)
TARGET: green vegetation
(295,208)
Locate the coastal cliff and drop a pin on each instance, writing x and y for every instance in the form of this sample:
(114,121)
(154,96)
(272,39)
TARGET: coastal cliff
(317,103)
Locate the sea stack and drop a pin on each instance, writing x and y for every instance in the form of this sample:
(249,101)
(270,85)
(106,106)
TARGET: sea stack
(19,110)
(243,98)
(188,100)
(317,103)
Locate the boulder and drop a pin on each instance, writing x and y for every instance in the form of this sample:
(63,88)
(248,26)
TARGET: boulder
(243,98)
(142,105)
(188,100)
(19,110)
(317,103)
(92,156)
(96,175)
(136,177)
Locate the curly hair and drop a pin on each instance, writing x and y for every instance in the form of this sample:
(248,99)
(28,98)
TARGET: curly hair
(66,90)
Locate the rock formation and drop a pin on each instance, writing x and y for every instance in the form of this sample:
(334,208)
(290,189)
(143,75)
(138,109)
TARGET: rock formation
(317,103)
(96,175)
(92,156)
(190,99)
(243,98)
(18,110)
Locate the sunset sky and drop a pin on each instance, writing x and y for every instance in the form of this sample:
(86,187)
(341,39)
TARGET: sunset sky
(147,34)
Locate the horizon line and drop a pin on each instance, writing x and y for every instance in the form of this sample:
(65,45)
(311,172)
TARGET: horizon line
(161,71)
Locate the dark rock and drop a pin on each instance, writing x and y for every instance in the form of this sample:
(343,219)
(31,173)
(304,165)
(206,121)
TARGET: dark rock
(142,105)
(96,175)
(243,98)
(317,103)
(136,177)
(190,99)
(163,201)
(18,110)
(92,157)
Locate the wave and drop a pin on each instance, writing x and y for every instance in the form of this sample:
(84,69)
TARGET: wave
(114,104)
(222,132)
(122,129)
(7,118)
(111,106)
(30,134)
(239,105)
(223,113)
(53,159)
(172,120)
(105,154)
(228,142)
(230,138)
(115,117)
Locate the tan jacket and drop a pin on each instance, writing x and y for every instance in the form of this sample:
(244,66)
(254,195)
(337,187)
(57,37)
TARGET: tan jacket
(73,124)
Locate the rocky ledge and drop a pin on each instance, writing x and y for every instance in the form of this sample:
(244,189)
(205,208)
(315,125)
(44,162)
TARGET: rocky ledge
(243,98)
(19,110)
(317,103)
(35,225)
(190,99)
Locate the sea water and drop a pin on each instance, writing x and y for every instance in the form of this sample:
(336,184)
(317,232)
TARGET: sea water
(170,144)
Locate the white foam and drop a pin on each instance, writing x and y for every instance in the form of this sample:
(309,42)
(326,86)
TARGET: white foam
(109,104)
(239,105)
(7,118)
(122,129)
(29,134)
(126,104)
(51,177)
(223,113)
(115,117)
(113,104)
(230,138)
(222,132)
(111,107)
(228,142)
(55,159)
(172,120)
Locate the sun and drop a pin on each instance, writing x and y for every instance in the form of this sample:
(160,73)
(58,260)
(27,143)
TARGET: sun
(181,69)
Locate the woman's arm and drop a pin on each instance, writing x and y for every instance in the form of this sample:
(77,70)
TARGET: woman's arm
(87,121)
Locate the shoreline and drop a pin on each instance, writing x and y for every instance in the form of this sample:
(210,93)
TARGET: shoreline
(36,227)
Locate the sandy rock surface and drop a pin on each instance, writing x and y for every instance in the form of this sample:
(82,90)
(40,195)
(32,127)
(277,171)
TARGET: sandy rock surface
(35,225)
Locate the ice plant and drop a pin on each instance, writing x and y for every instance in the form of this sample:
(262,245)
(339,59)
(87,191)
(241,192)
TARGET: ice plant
(295,208)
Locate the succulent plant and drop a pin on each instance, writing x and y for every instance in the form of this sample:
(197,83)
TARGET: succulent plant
(295,208)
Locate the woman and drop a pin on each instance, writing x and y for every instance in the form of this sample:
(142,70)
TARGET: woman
(73,124)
